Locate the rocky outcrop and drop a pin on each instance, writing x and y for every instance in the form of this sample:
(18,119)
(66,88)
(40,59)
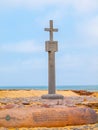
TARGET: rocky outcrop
(83,92)
(47,117)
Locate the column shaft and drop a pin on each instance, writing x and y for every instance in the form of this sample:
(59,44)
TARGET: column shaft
(51,73)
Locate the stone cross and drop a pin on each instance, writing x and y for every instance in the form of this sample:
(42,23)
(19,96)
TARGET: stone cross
(51,30)
(51,47)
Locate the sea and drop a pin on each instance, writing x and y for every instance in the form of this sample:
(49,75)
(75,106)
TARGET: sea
(62,87)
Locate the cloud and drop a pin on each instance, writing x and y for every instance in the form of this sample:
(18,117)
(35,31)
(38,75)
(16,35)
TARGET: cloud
(68,61)
(78,63)
(34,63)
(81,6)
(89,30)
(22,47)
(30,4)
(85,5)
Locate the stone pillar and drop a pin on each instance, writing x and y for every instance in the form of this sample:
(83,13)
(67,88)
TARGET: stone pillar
(51,47)
(51,73)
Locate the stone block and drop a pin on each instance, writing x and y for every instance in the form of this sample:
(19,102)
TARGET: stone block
(47,117)
(51,46)
(52,96)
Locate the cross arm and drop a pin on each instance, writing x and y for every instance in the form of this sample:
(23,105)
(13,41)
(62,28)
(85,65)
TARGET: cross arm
(49,29)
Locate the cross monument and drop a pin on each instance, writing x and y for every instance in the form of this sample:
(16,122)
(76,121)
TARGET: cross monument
(51,47)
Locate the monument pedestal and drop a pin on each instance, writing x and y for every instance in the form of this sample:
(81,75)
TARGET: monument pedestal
(46,117)
(52,96)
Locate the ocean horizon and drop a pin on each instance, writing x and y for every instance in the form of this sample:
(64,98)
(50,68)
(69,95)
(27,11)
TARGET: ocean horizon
(62,87)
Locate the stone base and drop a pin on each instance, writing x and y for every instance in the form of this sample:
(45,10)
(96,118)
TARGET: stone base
(46,117)
(52,96)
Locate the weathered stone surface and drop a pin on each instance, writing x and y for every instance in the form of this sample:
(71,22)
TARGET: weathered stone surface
(91,104)
(25,103)
(47,117)
(9,106)
(51,46)
(83,92)
(67,101)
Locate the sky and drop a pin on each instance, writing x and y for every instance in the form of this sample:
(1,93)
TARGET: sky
(23,60)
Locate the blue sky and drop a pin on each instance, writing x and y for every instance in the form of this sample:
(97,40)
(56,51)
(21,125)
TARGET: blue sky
(23,60)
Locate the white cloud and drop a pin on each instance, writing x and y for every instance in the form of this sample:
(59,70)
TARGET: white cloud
(22,47)
(92,27)
(34,63)
(79,5)
(85,5)
(78,63)
(29,3)
(68,62)
(89,30)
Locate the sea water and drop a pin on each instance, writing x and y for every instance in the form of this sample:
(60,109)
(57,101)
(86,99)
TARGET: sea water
(65,87)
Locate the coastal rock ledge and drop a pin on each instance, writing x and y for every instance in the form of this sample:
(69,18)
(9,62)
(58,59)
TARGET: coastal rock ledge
(47,117)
